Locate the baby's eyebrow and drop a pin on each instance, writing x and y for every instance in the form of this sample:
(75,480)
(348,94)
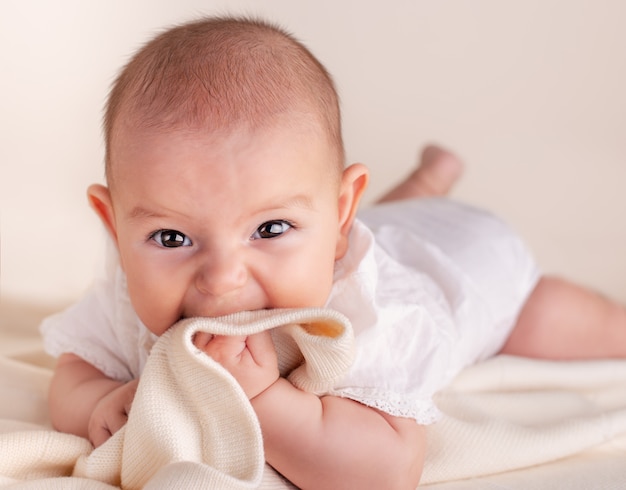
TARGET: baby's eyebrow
(139,212)
(299,201)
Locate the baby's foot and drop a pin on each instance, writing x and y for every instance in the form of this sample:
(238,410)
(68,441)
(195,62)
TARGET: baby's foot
(436,173)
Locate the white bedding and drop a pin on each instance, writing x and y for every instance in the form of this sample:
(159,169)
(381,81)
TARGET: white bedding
(509,423)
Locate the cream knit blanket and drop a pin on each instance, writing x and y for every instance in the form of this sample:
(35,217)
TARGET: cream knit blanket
(191,425)
(508,423)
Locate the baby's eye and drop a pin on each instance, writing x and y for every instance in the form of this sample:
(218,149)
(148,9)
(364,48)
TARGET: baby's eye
(271,229)
(170,238)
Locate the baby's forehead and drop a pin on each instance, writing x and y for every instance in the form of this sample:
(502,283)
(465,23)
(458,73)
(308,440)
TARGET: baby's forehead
(134,130)
(133,142)
(277,161)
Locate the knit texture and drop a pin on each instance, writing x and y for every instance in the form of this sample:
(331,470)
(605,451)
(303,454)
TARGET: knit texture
(189,412)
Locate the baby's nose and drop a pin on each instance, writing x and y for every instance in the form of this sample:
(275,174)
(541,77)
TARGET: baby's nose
(220,275)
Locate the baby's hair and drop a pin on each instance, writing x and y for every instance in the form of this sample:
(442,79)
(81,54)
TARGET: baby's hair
(220,73)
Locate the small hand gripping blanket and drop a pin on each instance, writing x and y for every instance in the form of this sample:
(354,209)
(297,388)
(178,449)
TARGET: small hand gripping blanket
(192,426)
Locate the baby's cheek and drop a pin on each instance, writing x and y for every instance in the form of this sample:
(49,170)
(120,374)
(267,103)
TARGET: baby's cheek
(311,291)
(154,290)
(154,313)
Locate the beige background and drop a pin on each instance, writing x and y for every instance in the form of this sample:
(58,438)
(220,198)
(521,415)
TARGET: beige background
(530,93)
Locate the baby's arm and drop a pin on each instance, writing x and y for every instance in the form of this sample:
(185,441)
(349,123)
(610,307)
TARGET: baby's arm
(85,402)
(327,442)
(333,442)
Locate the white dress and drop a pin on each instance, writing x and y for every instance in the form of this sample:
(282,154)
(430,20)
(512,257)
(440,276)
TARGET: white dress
(430,286)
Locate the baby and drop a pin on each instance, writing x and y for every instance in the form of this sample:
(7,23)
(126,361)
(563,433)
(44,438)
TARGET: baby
(227,191)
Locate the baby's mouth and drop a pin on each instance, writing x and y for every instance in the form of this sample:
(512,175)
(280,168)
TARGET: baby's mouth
(221,313)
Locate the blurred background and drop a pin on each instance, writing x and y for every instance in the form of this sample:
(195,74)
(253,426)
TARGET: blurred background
(530,94)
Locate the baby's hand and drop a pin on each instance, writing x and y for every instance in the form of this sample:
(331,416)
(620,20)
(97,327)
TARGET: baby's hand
(111,413)
(251,360)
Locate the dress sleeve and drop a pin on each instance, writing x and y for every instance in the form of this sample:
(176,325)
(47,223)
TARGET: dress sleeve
(404,333)
(102,329)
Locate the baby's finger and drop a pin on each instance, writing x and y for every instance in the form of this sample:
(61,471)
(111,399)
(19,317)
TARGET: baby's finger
(225,348)
(102,432)
(99,435)
(117,422)
(261,347)
(202,339)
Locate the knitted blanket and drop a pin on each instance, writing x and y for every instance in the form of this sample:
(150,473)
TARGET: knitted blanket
(508,422)
(191,425)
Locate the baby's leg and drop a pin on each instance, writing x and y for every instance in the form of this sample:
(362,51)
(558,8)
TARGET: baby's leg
(564,321)
(436,173)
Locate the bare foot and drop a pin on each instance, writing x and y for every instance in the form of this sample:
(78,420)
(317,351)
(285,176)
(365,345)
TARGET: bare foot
(436,173)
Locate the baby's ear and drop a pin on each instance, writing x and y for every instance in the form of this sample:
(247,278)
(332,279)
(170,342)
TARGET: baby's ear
(100,200)
(353,184)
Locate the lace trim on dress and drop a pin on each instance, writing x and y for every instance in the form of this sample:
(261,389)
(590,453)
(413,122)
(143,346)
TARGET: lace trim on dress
(423,411)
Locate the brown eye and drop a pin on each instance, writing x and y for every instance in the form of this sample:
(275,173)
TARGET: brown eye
(272,229)
(171,238)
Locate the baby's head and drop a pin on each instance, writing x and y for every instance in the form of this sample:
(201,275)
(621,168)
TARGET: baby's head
(220,75)
(226,183)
